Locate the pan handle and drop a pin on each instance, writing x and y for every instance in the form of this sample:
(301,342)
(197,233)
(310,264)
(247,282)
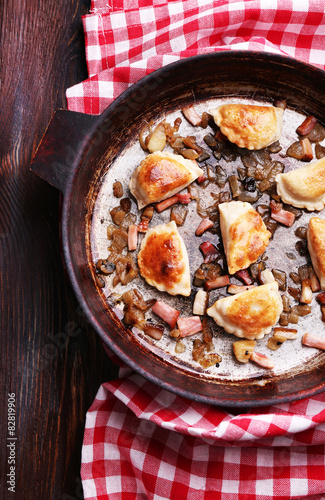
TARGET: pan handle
(59,151)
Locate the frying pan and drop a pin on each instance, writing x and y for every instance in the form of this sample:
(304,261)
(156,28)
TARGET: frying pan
(76,154)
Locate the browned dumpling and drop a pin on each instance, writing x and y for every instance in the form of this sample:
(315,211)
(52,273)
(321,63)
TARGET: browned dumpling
(161,175)
(304,187)
(316,247)
(244,234)
(250,314)
(163,260)
(249,126)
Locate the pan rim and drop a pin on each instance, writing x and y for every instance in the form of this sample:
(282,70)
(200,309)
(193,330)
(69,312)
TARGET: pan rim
(67,251)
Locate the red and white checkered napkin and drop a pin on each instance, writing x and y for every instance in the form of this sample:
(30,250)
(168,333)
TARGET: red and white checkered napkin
(142,442)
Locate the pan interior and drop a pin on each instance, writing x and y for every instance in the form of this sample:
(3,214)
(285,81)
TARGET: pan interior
(292,358)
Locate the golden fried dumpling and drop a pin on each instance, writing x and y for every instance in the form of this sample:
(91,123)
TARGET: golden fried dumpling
(161,175)
(163,260)
(244,234)
(316,247)
(250,314)
(304,187)
(248,125)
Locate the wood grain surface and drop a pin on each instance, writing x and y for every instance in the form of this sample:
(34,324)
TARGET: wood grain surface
(51,359)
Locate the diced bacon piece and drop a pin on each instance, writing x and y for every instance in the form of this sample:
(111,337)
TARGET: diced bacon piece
(201,178)
(218,282)
(311,340)
(162,205)
(244,275)
(209,251)
(203,226)
(189,326)
(184,198)
(166,312)
(284,216)
(306,296)
(233,289)
(307,125)
(191,115)
(261,360)
(200,302)
(132,237)
(306,149)
(143,226)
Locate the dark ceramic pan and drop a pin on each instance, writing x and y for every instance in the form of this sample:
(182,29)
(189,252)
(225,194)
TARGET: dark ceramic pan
(76,155)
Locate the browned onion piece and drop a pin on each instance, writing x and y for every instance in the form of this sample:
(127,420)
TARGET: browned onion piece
(234,185)
(274,148)
(317,134)
(301,232)
(249,197)
(210,141)
(179,347)
(205,119)
(321,298)
(189,154)
(303,272)
(221,176)
(285,303)
(281,278)
(100,281)
(194,192)
(264,185)
(210,360)
(117,215)
(301,150)
(154,331)
(133,316)
(319,151)
(295,150)
(119,240)
(293,317)
(190,142)
(144,134)
(284,319)
(294,292)
(128,220)
(301,310)
(117,189)
(174,333)
(126,204)
(208,271)
(178,214)
(105,267)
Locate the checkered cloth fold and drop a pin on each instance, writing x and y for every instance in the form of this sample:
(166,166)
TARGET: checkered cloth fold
(141,441)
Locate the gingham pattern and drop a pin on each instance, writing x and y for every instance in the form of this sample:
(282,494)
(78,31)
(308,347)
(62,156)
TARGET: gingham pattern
(131,449)
(122,46)
(142,442)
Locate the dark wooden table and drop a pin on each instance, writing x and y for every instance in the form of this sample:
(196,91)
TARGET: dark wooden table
(51,375)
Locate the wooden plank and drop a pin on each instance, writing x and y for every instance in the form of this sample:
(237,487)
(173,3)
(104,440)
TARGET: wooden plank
(51,359)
